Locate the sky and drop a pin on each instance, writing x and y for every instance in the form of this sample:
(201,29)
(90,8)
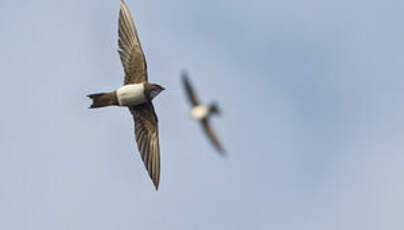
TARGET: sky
(312,99)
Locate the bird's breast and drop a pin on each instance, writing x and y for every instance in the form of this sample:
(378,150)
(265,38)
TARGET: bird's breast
(199,112)
(131,94)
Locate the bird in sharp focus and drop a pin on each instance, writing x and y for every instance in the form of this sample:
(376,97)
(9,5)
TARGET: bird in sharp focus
(202,113)
(136,94)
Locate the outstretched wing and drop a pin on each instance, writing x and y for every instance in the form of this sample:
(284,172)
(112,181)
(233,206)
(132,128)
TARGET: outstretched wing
(189,90)
(130,50)
(147,138)
(212,136)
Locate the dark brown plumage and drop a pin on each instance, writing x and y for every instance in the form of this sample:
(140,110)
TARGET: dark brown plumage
(130,49)
(136,94)
(189,90)
(134,64)
(147,139)
(103,99)
(211,135)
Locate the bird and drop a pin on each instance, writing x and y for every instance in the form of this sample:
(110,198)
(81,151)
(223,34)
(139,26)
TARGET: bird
(136,94)
(202,113)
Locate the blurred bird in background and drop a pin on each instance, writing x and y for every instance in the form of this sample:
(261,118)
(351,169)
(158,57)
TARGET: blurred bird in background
(202,113)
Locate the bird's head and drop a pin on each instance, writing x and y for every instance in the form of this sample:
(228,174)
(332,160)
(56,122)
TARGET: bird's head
(214,109)
(152,90)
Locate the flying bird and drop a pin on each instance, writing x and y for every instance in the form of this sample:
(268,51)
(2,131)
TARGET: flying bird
(202,113)
(136,94)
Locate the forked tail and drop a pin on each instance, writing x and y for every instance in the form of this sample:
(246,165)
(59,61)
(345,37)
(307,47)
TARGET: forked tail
(103,99)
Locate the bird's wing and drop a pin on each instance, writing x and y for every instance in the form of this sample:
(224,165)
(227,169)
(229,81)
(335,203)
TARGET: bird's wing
(130,50)
(147,138)
(212,136)
(190,91)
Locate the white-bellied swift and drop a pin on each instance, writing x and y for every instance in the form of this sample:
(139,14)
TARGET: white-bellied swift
(202,113)
(136,94)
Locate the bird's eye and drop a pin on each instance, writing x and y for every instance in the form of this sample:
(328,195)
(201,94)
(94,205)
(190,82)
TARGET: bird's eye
(154,93)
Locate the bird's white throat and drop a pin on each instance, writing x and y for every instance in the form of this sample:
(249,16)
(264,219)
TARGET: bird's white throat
(132,94)
(199,112)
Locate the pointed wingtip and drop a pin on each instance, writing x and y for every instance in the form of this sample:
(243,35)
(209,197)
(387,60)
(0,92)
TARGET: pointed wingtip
(123,5)
(156,185)
(223,153)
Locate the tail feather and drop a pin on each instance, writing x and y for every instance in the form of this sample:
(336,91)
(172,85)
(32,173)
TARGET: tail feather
(103,99)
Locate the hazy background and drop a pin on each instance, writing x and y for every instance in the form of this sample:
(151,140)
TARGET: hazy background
(313,99)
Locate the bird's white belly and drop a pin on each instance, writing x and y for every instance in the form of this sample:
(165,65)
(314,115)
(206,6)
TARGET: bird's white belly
(199,112)
(132,94)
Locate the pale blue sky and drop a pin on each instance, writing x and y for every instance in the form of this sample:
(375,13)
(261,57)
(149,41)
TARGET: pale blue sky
(312,93)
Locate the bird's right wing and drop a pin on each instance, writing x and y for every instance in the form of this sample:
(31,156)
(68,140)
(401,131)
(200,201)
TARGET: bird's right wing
(130,50)
(189,90)
(147,138)
(212,136)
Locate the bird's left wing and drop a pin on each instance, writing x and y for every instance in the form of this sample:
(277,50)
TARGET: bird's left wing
(146,131)
(130,50)
(189,90)
(212,136)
